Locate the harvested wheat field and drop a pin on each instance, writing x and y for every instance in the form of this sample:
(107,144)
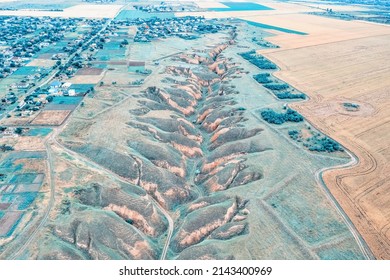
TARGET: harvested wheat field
(336,64)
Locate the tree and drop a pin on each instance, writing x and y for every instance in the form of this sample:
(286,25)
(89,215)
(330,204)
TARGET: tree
(19,130)
(5,148)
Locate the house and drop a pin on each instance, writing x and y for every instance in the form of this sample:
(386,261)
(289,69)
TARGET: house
(22,85)
(55,84)
(9,132)
(53,91)
(66,85)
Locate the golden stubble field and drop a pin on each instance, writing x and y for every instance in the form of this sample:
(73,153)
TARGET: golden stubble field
(342,62)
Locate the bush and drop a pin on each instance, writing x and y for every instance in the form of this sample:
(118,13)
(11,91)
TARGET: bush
(293,116)
(277,86)
(258,60)
(6,148)
(19,130)
(271,116)
(324,144)
(263,78)
(294,134)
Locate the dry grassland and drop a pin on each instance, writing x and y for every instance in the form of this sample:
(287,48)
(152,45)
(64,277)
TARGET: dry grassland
(339,62)
(51,117)
(25,143)
(85,79)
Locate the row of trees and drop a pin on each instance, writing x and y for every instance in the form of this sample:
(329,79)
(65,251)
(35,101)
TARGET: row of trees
(289,95)
(277,86)
(258,60)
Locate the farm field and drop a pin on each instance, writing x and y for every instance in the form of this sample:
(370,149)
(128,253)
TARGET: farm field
(51,117)
(260,134)
(346,67)
(18,192)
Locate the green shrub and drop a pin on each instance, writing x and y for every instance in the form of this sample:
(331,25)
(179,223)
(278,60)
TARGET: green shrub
(271,116)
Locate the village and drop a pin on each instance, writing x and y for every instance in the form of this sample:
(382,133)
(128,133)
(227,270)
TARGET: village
(37,58)
(37,72)
(188,28)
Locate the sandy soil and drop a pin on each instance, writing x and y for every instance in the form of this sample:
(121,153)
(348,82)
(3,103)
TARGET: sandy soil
(337,62)
(51,117)
(89,71)
(85,79)
(42,62)
(25,143)
(32,165)
(86,11)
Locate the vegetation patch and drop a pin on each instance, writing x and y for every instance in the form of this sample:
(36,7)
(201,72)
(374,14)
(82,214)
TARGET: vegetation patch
(258,60)
(26,70)
(273,117)
(316,143)
(263,78)
(277,86)
(289,95)
(351,106)
(42,131)
(6,148)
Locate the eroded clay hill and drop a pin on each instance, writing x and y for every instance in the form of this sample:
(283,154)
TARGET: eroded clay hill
(185,168)
(189,144)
